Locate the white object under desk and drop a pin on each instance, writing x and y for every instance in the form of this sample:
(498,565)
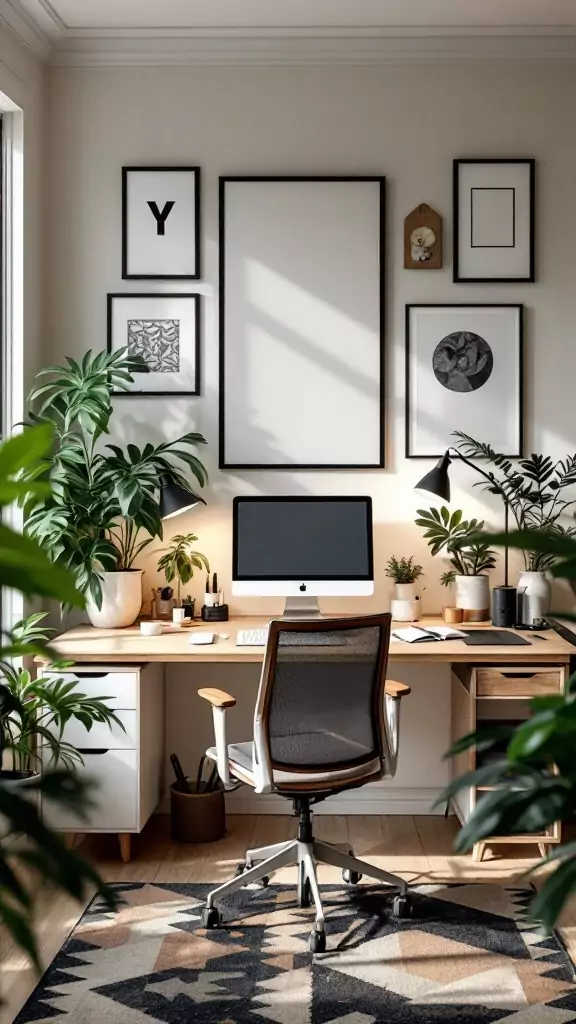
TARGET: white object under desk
(126,765)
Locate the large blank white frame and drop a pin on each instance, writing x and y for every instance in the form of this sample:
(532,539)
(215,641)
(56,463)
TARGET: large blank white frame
(301,322)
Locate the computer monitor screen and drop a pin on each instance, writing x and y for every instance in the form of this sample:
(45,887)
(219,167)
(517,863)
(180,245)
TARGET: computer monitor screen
(289,546)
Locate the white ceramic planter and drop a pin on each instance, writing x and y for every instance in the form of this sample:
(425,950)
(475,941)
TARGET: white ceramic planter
(472,595)
(121,600)
(405,611)
(405,591)
(534,593)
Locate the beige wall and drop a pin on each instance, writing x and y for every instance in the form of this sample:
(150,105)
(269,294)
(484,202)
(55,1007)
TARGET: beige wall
(407,123)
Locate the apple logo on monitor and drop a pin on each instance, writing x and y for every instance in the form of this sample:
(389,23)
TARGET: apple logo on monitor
(302,586)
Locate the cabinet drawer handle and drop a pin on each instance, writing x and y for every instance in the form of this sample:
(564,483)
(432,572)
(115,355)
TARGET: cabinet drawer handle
(90,675)
(518,675)
(92,750)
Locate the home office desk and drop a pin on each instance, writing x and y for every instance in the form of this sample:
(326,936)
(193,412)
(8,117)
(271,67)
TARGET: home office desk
(131,766)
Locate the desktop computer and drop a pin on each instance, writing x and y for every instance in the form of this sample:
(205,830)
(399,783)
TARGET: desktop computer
(302,549)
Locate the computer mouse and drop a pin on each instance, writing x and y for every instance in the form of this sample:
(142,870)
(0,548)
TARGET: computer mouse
(224,636)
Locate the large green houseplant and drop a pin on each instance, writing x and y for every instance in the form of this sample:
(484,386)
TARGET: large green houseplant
(104,505)
(26,568)
(538,491)
(529,796)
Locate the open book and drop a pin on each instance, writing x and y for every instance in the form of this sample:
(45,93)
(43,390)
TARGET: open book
(419,634)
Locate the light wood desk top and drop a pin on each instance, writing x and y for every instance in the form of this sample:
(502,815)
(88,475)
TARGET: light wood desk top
(87,644)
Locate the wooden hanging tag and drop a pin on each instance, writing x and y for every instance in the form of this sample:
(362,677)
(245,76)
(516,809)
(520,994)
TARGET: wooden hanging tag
(423,239)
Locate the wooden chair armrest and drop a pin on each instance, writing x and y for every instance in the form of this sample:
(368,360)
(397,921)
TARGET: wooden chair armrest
(218,698)
(396,690)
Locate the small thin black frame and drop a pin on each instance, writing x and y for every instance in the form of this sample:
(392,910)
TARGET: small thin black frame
(261,466)
(194,297)
(196,171)
(467,305)
(531,162)
(307,499)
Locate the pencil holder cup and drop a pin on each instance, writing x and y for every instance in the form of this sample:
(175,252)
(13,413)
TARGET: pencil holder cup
(197,817)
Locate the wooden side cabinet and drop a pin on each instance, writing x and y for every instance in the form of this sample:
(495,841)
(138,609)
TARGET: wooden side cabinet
(496,692)
(127,766)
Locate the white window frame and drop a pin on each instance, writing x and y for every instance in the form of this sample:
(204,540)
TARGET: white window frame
(12,305)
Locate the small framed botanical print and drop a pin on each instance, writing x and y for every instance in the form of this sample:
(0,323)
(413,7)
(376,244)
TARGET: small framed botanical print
(161,223)
(464,368)
(494,220)
(165,331)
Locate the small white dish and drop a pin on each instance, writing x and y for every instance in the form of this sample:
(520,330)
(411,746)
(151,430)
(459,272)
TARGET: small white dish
(224,636)
(201,638)
(151,628)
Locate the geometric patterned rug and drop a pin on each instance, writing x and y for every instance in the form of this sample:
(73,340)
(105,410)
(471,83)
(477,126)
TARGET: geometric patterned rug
(467,955)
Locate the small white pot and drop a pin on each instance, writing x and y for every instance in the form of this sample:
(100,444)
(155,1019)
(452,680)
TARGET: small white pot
(405,591)
(405,611)
(121,600)
(472,595)
(534,594)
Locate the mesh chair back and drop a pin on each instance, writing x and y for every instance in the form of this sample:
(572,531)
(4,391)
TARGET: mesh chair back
(322,692)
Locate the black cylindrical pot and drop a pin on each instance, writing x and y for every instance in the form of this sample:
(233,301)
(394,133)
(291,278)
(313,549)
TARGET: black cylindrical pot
(197,817)
(504,606)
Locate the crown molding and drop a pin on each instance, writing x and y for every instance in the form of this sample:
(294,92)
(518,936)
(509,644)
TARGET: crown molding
(26,29)
(187,47)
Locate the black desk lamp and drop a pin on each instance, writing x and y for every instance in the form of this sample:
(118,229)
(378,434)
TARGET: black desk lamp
(175,499)
(437,482)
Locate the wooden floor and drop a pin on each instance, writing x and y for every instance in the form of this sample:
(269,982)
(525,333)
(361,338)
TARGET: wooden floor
(418,848)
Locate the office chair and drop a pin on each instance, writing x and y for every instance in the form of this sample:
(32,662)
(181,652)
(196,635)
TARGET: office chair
(325,721)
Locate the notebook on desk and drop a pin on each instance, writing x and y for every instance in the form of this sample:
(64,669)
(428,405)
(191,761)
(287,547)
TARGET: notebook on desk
(472,637)
(419,634)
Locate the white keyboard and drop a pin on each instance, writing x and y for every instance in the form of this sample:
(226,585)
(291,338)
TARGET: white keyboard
(252,637)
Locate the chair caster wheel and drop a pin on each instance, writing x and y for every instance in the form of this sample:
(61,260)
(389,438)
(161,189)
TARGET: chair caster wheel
(211,917)
(317,941)
(351,877)
(402,907)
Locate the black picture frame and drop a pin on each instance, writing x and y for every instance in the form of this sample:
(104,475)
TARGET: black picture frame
(465,305)
(293,467)
(197,243)
(194,297)
(530,162)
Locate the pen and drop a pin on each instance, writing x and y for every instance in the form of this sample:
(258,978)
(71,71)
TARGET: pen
(215,583)
(207,584)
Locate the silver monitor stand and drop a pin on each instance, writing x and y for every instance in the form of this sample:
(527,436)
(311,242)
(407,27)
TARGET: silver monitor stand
(305,607)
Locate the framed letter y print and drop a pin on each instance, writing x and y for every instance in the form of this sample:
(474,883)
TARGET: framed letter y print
(161,223)
(494,220)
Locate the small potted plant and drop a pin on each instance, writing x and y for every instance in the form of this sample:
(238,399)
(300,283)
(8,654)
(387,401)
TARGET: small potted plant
(406,604)
(188,606)
(470,558)
(180,560)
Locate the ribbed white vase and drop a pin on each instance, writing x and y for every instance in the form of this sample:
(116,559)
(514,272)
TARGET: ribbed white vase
(121,600)
(472,595)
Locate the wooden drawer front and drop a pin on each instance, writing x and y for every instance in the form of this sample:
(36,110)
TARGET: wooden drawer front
(101,736)
(115,796)
(120,688)
(517,682)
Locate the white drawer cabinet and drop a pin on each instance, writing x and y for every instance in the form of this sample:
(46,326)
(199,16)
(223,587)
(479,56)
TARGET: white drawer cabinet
(127,765)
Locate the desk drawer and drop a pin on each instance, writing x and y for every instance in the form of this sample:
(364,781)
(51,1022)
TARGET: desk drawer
(115,794)
(103,736)
(512,681)
(121,688)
